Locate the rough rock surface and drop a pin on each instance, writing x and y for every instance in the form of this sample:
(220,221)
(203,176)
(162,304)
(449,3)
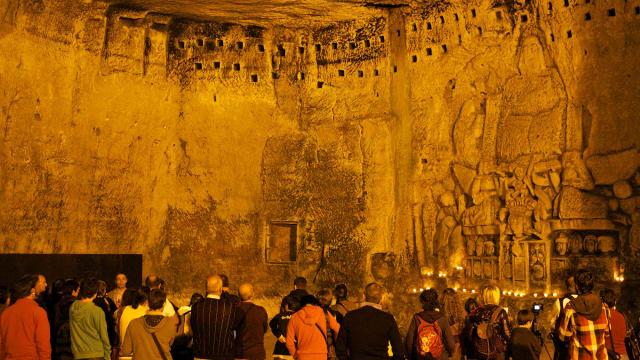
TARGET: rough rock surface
(267,140)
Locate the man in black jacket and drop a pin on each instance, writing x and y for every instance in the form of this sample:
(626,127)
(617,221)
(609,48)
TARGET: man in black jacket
(213,323)
(367,331)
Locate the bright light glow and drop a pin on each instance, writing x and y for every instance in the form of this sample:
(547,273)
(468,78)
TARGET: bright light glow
(473,291)
(535,294)
(546,295)
(555,294)
(415,290)
(464,290)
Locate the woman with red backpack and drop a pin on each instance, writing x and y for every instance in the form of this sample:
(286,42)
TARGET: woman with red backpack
(429,336)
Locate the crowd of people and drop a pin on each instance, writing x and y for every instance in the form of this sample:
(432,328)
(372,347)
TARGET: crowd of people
(81,320)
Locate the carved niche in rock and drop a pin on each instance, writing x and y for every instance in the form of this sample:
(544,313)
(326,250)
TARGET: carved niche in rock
(468,132)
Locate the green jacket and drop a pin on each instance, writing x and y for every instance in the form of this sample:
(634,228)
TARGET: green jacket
(89,338)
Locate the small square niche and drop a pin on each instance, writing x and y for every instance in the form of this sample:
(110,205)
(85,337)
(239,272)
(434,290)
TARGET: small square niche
(611,12)
(236,67)
(254,78)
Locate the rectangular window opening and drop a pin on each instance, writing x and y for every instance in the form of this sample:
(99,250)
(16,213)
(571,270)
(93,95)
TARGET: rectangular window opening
(275,75)
(334,46)
(318,47)
(240,45)
(367,43)
(200,42)
(611,12)
(524,18)
(398,32)
(395,68)
(261,48)
(254,78)
(414,58)
(301,50)
(198,66)
(236,67)
(414,27)
(473,13)
(429,52)
(181,44)
(216,64)
(282,242)
(441,19)
(340,72)
(569,34)
(566,3)
(587,17)
(320,84)
(429,27)
(360,73)
(220,43)
(499,15)
(281,51)
(456,17)
(444,48)
(376,72)
(352,45)
(381,38)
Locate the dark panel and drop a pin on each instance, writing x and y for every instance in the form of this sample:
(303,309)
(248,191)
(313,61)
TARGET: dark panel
(63,266)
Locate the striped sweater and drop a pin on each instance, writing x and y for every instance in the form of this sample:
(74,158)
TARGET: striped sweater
(214,323)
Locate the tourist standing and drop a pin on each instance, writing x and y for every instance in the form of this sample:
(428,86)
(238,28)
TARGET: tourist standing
(524,344)
(366,332)
(254,327)
(154,282)
(150,336)
(213,323)
(583,322)
(617,326)
(226,290)
(24,326)
(343,305)
(488,330)
(307,330)
(429,335)
(89,336)
(279,325)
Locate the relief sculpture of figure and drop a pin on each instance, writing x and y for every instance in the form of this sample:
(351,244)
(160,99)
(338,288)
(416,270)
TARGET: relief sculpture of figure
(486,200)
(520,205)
(448,235)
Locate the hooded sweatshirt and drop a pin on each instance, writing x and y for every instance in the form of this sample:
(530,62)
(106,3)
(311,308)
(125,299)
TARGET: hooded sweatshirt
(584,323)
(139,339)
(89,337)
(303,328)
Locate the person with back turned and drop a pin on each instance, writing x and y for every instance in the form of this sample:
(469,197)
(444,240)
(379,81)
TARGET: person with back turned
(215,321)
(524,343)
(254,327)
(583,322)
(366,332)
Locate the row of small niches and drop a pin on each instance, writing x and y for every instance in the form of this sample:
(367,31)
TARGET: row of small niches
(298,76)
(239,45)
(588,17)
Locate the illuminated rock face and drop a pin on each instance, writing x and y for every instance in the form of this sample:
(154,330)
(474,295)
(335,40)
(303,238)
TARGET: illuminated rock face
(477,140)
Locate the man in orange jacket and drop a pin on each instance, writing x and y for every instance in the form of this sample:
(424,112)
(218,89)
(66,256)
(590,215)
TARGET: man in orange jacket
(309,328)
(24,327)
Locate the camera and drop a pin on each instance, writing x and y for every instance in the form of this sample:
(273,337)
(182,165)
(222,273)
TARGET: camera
(537,308)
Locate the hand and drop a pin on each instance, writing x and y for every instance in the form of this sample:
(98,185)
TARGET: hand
(282,339)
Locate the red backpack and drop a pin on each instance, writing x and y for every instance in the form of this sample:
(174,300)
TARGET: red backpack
(429,339)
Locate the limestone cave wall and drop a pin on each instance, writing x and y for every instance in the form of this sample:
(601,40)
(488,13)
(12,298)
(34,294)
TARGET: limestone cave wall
(455,141)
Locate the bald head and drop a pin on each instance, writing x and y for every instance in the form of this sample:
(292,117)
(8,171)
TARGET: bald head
(246,292)
(373,293)
(214,285)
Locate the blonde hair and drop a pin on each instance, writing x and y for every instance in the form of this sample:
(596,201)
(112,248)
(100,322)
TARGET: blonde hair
(491,295)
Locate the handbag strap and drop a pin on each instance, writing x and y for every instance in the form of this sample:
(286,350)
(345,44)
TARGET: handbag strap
(155,340)
(613,345)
